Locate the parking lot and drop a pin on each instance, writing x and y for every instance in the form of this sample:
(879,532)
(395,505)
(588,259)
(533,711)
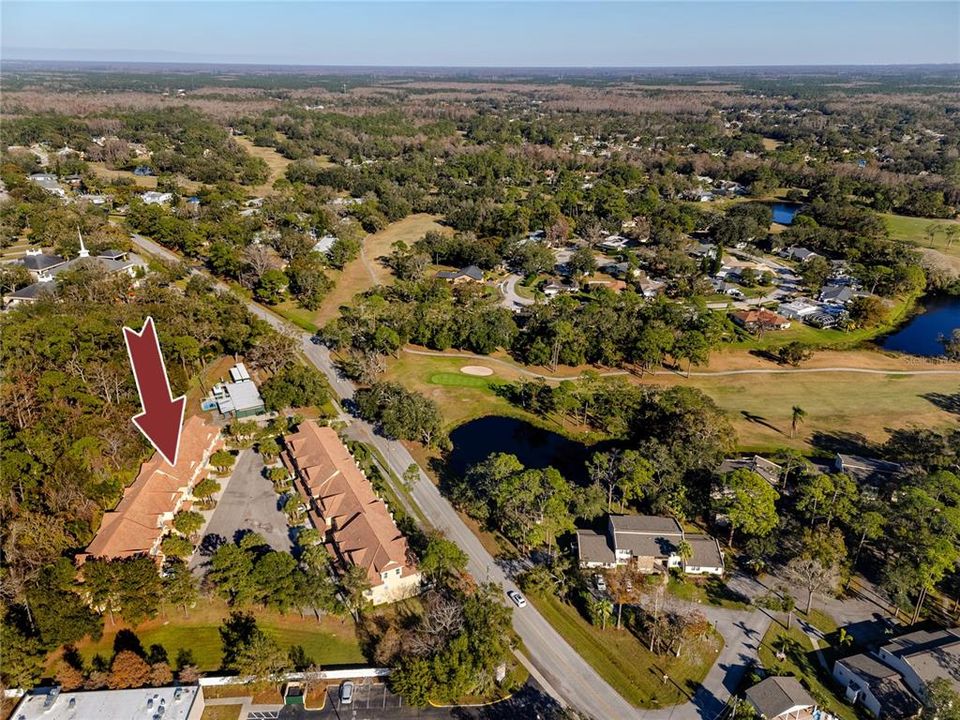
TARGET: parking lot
(248,503)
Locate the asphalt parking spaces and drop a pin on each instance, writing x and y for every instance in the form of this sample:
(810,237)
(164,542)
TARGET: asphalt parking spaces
(368,696)
(263,715)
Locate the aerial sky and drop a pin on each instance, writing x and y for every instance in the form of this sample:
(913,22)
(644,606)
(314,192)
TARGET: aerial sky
(486,34)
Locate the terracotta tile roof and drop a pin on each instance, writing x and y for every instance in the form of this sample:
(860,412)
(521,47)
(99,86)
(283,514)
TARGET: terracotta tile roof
(361,527)
(135,525)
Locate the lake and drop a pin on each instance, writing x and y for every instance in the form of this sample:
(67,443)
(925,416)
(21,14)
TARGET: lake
(535,447)
(920,336)
(783,213)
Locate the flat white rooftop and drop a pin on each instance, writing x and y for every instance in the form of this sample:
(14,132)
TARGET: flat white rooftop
(140,704)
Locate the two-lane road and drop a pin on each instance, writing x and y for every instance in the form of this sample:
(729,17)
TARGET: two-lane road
(576,682)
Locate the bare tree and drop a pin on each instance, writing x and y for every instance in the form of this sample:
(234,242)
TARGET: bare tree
(813,576)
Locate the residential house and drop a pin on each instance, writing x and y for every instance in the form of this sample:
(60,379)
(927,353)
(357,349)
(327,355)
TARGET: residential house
(615,242)
(145,513)
(767,469)
(358,526)
(800,254)
(759,320)
(471,273)
(650,544)
(837,294)
(552,288)
(180,702)
(142,171)
(924,656)
(798,309)
(152,197)
(871,471)
(781,698)
(877,687)
(50,183)
(325,244)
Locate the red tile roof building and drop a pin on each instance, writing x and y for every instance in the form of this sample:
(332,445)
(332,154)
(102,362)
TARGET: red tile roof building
(144,515)
(359,526)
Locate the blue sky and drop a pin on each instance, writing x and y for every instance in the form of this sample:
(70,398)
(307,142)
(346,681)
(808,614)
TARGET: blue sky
(457,33)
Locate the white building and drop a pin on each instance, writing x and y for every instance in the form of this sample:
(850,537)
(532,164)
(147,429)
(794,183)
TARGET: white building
(152,197)
(168,703)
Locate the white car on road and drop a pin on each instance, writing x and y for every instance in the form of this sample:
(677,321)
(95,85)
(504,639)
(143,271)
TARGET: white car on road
(517,598)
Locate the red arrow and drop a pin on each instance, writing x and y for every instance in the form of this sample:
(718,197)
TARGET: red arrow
(162,416)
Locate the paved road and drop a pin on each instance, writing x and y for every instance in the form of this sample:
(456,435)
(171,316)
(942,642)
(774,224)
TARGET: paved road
(508,289)
(566,673)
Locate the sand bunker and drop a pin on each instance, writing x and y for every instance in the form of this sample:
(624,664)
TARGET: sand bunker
(478,370)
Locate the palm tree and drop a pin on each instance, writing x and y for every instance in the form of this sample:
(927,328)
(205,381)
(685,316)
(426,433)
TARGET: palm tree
(798,415)
(684,551)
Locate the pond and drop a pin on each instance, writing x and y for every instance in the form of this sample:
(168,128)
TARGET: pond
(783,213)
(921,335)
(535,447)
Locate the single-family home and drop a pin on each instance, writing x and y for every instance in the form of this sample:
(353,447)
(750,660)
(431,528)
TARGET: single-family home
(798,309)
(877,687)
(758,320)
(924,656)
(50,183)
(781,698)
(142,171)
(615,242)
(471,273)
(649,543)
(837,294)
(800,254)
(325,244)
(357,525)
(152,197)
(767,469)
(872,471)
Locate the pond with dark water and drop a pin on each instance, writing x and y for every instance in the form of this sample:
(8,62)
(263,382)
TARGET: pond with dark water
(535,447)
(921,335)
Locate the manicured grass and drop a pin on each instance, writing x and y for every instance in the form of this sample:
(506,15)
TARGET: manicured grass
(801,661)
(624,662)
(761,406)
(329,642)
(821,621)
(461,380)
(221,712)
(706,591)
(914,229)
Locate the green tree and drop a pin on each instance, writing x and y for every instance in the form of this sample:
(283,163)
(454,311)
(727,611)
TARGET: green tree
(751,504)
(128,586)
(205,489)
(188,522)
(442,559)
(797,416)
(180,586)
(176,547)
(231,571)
(270,287)
(942,701)
(295,386)
(222,460)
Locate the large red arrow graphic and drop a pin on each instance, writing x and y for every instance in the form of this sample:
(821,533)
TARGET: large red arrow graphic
(162,416)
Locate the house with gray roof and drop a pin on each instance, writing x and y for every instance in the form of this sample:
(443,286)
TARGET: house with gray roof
(877,687)
(781,698)
(471,272)
(649,543)
(924,656)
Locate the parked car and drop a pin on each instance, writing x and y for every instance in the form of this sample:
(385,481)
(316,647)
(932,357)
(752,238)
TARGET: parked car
(517,598)
(346,693)
(600,583)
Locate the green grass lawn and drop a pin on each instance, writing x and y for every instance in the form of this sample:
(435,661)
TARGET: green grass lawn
(458,379)
(708,592)
(624,662)
(329,642)
(801,661)
(301,317)
(914,229)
